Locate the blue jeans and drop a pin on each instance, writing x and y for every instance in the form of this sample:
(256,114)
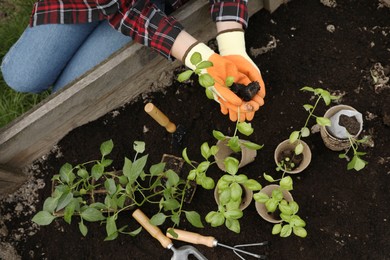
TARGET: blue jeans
(56,54)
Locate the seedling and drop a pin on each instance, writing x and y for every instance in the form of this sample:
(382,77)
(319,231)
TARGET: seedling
(357,163)
(93,194)
(292,223)
(321,94)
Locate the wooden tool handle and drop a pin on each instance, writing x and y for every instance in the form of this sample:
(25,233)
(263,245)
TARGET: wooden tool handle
(159,116)
(193,238)
(152,229)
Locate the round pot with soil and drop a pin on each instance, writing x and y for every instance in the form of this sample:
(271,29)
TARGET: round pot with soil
(269,210)
(244,156)
(346,122)
(291,162)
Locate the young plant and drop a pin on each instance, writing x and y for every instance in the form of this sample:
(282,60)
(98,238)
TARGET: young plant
(230,192)
(291,222)
(320,94)
(357,162)
(93,194)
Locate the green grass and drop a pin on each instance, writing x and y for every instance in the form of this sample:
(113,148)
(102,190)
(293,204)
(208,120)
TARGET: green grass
(14,17)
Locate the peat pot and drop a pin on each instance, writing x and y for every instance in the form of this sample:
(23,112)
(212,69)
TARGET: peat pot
(335,137)
(285,147)
(246,155)
(262,210)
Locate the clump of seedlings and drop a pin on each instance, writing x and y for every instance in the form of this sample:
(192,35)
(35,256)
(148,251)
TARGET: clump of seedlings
(282,208)
(356,163)
(92,193)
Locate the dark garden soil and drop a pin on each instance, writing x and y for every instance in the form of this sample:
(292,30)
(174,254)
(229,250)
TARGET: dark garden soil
(309,44)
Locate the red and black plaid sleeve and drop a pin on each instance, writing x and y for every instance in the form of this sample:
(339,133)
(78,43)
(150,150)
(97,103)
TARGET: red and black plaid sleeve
(230,10)
(139,19)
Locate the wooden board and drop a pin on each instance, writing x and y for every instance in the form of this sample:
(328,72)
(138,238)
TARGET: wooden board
(104,88)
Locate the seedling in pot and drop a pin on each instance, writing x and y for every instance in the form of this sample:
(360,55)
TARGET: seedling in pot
(320,94)
(287,209)
(231,192)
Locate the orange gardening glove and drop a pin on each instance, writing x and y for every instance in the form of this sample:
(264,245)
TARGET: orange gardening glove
(231,45)
(221,69)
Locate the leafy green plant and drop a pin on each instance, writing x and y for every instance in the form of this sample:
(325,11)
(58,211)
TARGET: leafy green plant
(356,163)
(94,194)
(230,192)
(291,222)
(320,94)
(204,79)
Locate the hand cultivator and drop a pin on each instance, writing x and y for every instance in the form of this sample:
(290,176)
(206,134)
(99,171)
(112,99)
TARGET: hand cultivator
(210,241)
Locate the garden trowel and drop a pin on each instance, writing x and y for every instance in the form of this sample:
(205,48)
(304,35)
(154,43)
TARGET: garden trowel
(181,253)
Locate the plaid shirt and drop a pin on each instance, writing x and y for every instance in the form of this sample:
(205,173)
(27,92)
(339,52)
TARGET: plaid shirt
(139,19)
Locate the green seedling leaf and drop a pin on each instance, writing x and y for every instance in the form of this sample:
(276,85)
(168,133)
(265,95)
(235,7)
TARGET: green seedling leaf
(245,128)
(285,209)
(298,149)
(224,196)
(111,228)
(43,218)
(342,155)
(175,218)
(69,210)
(172,232)
(203,166)
(219,135)
(110,186)
(157,169)
(305,132)
(294,136)
(252,185)
(158,219)
(307,107)
(234,144)
(82,173)
(214,150)
(64,200)
(205,80)
(106,147)
(294,206)
(276,229)
(195,58)
(356,163)
(139,146)
(326,97)
(271,205)
(184,76)
(233,225)
(229,81)
(253,146)
(277,194)
(173,178)
(97,171)
(83,228)
(215,219)
(135,169)
(233,214)
(171,204)
(286,231)
(192,175)
(92,215)
(268,177)
(204,65)
(50,204)
(323,121)
(286,183)
(306,88)
(209,94)
(194,218)
(185,156)
(231,165)
(106,162)
(300,232)
(261,197)
(236,191)
(208,183)
(241,178)
(66,173)
(205,150)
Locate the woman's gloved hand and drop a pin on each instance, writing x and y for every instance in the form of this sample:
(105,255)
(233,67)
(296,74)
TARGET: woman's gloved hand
(231,45)
(221,69)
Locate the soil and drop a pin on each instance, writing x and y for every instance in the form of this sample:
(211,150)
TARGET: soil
(303,43)
(350,123)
